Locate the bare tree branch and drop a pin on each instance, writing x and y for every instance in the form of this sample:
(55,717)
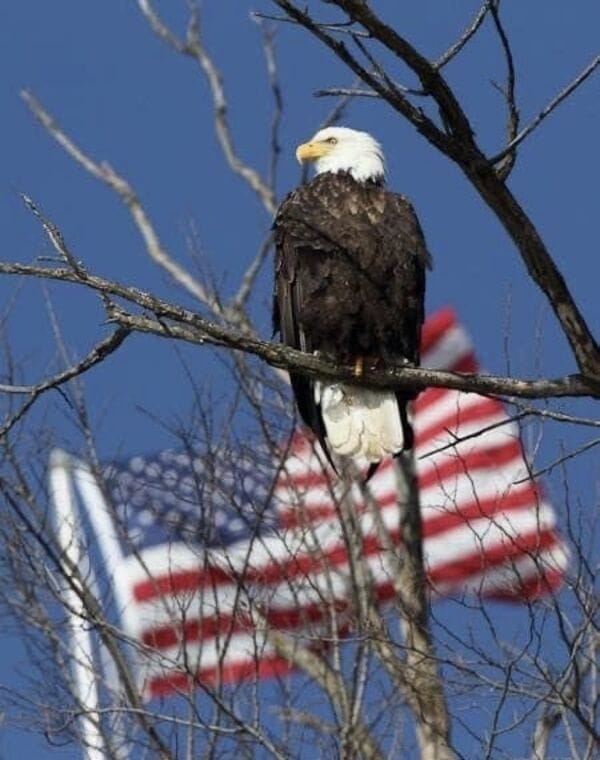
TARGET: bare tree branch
(249,278)
(468,34)
(345,92)
(564,458)
(187,325)
(268,35)
(504,169)
(567,694)
(315,667)
(432,719)
(337,112)
(54,235)
(120,186)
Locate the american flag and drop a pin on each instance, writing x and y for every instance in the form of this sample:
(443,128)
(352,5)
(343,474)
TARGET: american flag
(208,539)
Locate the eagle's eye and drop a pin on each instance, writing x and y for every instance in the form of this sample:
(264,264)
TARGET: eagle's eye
(331,140)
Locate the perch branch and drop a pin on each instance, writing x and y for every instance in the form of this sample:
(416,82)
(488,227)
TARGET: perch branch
(187,325)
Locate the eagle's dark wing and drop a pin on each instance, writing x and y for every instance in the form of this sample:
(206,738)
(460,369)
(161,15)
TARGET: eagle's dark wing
(403,251)
(404,242)
(294,242)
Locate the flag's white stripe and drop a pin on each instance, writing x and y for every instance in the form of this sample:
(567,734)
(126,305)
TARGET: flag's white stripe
(479,537)
(451,346)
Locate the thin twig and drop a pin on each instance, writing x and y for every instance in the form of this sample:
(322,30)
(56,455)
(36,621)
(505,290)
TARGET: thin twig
(54,234)
(356,92)
(567,692)
(250,275)
(339,109)
(504,168)
(346,92)
(469,32)
(318,669)
(95,356)
(194,48)
(344,27)
(564,458)
(548,109)
(268,35)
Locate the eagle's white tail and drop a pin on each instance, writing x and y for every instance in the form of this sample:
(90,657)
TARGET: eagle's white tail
(360,422)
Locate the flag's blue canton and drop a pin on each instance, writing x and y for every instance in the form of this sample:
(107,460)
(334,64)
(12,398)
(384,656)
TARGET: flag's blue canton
(212,499)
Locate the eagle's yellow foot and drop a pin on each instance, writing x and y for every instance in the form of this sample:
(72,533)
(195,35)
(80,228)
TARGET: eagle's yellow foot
(359,366)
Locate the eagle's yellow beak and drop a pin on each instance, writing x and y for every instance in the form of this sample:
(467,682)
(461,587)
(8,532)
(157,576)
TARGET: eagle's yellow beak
(310,151)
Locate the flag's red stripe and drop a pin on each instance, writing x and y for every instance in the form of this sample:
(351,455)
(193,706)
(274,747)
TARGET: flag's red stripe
(226,624)
(305,565)
(435,327)
(478,459)
(231,672)
(547,580)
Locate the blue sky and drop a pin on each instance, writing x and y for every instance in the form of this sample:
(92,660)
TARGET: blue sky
(131,101)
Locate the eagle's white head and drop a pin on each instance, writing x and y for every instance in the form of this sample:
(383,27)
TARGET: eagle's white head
(339,149)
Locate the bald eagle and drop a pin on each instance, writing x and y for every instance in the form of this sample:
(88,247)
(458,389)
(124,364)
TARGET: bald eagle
(349,285)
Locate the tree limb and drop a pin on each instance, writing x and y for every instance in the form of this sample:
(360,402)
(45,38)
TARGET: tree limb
(192,327)
(317,669)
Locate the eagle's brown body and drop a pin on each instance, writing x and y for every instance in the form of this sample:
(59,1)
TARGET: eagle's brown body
(349,277)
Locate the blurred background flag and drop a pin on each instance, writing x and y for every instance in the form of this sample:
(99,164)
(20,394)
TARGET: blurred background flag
(208,550)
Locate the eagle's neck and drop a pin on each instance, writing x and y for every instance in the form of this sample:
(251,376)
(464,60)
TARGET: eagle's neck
(366,167)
